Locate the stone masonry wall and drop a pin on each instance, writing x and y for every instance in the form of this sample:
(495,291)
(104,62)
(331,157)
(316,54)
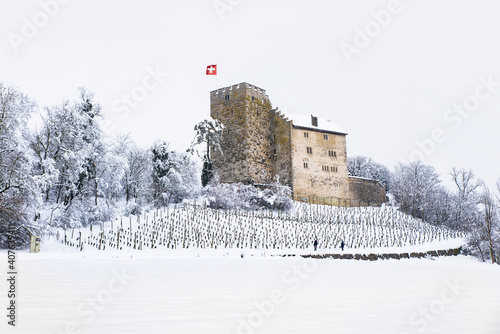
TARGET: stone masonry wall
(258,139)
(281,147)
(365,192)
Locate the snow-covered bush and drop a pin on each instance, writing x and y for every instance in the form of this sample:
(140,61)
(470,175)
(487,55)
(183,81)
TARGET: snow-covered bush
(83,212)
(242,196)
(132,208)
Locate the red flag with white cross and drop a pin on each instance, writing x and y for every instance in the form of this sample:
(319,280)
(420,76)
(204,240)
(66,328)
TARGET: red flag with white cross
(212,70)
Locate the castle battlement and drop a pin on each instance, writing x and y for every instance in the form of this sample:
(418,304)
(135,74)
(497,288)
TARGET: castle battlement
(282,116)
(243,86)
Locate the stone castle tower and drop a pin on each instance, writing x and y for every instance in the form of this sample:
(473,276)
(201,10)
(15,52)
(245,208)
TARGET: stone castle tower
(307,153)
(245,111)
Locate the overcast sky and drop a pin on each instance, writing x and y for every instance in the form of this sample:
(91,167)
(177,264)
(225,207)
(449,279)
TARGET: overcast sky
(405,79)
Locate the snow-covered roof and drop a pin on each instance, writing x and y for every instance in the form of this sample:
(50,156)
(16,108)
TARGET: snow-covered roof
(306,121)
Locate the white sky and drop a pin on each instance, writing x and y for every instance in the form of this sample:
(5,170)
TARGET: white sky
(393,93)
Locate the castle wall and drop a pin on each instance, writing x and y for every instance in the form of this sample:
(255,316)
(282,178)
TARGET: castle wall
(365,192)
(281,147)
(324,175)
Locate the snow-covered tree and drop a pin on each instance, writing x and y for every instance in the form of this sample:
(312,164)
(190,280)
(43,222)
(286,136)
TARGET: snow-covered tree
(209,133)
(68,147)
(414,188)
(19,189)
(112,168)
(465,198)
(175,175)
(365,167)
(489,223)
(71,151)
(137,179)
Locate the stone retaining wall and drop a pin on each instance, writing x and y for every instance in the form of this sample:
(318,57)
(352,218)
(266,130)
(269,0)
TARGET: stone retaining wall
(374,257)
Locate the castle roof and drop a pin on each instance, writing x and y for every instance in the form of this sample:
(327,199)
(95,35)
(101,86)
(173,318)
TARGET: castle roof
(315,123)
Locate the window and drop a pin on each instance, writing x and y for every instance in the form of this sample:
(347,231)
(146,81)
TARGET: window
(306,165)
(232,112)
(335,169)
(325,168)
(274,138)
(332,154)
(306,134)
(226,97)
(325,137)
(314,120)
(253,98)
(257,113)
(274,151)
(309,150)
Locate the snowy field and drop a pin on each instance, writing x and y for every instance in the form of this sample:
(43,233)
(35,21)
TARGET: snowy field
(147,292)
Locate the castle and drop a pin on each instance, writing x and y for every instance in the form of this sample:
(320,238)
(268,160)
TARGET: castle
(308,153)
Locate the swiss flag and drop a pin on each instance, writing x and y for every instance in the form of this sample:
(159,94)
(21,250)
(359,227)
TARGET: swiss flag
(212,70)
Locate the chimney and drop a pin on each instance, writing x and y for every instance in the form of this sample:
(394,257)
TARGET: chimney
(314,120)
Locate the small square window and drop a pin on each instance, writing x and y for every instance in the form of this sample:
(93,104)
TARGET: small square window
(232,112)
(325,137)
(306,134)
(309,150)
(306,165)
(253,98)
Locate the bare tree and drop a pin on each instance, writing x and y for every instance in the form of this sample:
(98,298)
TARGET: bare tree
(414,188)
(465,199)
(489,224)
